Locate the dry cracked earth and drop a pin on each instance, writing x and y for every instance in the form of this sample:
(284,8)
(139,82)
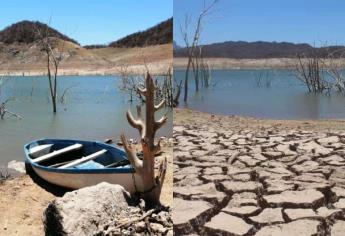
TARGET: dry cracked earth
(264,181)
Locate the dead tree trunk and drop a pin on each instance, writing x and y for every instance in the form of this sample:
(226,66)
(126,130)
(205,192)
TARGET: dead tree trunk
(152,184)
(53,62)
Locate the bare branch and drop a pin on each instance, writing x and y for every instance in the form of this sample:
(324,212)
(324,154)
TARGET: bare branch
(160,105)
(131,154)
(137,124)
(142,91)
(159,123)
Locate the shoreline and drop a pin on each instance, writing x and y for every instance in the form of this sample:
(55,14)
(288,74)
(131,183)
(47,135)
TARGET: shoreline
(159,68)
(254,64)
(27,199)
(180,114)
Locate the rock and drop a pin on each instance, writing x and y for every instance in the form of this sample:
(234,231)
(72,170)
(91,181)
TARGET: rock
(187,213)
(18,166)
(298,227)
(225,224)
(85,211)
(268,216)
(158,228)
(140,226)
(338,228)
(305,198)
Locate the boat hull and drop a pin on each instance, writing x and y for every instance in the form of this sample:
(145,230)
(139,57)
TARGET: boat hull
(81,180)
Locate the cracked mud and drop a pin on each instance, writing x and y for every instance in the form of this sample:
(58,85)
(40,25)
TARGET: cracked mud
(262,181)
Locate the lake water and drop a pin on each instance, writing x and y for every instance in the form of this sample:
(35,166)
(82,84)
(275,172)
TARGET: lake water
(279,96)
(94,109)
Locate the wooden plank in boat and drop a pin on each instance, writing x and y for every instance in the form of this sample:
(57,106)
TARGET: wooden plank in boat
(84,159)
(57,153)
(39,150)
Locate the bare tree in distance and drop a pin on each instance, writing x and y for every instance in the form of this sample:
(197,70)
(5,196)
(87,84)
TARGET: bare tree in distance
(130,83)
(192,52)
(322,70)
(335,69)
(152,183)
(53,57)
(310,70)
(166,88)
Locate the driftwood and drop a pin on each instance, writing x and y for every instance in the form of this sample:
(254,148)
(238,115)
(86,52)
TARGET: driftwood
(145,168)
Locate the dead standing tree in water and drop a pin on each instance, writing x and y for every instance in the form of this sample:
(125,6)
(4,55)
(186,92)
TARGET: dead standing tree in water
(152,184)
(53,61)
(310,71)
(192,48)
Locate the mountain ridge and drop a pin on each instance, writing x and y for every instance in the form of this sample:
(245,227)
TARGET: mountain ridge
(261,50)
(28,32)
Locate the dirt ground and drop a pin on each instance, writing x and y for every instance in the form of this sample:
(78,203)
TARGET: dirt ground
(185,116)
(23,200)
(246,176)
(30,61)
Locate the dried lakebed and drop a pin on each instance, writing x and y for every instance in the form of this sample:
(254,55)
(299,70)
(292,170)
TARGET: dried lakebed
(258,181)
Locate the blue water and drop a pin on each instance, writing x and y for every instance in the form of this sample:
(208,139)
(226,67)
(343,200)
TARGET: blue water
(94,109)
(236,92)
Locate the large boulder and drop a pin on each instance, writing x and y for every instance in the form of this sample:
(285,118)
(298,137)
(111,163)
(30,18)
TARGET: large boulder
(86,211)
(17,166)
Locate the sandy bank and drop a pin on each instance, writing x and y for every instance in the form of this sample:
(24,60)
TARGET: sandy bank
(183,116)
(22,201)
(229,63)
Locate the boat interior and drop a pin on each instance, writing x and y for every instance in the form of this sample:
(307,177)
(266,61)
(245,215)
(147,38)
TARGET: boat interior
(63,154)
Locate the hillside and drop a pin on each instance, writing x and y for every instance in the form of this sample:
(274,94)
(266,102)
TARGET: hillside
(259,50)
(28,32)
(20,53)
(158,34)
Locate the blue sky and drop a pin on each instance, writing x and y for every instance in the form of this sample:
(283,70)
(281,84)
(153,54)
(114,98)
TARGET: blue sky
(89,21)
(316,22)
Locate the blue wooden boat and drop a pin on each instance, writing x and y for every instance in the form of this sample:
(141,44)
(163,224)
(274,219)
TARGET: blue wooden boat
(76,164)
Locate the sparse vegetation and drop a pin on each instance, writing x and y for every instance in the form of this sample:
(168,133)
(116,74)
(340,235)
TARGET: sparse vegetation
(159,34)
(322,71)
(23,32)
(166,88)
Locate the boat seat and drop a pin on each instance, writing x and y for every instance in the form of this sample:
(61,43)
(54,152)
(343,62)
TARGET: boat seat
(58,153)
(84,159)
(40,150)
